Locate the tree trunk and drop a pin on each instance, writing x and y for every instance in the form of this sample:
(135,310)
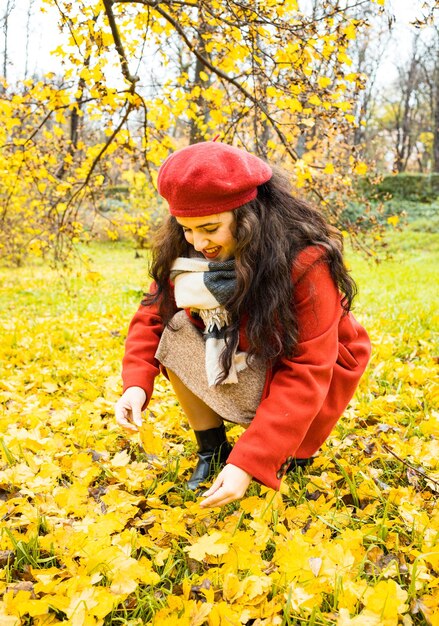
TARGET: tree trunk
(195,133)
(75,119)
(404,144)
(28,33)
(9,7)
(436,116)
(436,141)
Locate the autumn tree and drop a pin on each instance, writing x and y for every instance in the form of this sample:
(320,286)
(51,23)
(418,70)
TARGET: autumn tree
(398,116)
(367,52)
(406,108)
(10,5)
(271,77)
(430,69)
(404,115)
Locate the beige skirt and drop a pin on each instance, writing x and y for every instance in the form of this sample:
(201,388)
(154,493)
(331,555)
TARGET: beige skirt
(182,351)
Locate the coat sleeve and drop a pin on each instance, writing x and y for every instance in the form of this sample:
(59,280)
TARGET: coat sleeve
(139,365)
(300,384)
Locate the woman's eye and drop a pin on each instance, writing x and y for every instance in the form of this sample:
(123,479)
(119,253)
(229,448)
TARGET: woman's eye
(206,230)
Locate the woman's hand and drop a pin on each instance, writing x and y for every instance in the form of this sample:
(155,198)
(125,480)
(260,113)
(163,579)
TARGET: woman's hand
(129,409)
(230,484)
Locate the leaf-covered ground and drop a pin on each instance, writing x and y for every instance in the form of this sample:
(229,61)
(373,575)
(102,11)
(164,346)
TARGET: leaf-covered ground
(98,530)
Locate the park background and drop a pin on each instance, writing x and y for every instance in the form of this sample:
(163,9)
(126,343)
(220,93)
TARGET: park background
(98,528)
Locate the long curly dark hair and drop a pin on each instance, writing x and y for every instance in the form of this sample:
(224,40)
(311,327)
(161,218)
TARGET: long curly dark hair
(270,231)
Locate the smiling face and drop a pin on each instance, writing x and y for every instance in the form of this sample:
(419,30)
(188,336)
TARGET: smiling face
(212,235)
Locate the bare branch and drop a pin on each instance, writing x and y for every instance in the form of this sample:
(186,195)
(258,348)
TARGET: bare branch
(108,4)
(421,472)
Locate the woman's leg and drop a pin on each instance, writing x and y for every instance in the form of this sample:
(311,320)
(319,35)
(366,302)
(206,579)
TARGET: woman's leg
(199,415)
(213,447)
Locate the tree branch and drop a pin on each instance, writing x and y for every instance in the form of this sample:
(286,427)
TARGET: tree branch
(412,467)
(108,5)
(67,21)
(229,79)
(98,158)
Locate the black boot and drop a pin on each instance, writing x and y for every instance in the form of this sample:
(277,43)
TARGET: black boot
(213,450)
(295,463)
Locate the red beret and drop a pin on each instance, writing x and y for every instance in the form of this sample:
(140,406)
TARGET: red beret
(210,177)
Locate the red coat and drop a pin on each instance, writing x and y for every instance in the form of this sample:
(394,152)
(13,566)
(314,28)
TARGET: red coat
(304,396)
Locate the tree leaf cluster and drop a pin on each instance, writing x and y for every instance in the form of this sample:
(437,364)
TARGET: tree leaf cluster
(142,78)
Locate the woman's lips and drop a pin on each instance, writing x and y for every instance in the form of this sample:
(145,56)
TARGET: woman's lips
(211,253)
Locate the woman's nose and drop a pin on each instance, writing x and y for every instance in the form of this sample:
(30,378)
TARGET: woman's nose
(200,241)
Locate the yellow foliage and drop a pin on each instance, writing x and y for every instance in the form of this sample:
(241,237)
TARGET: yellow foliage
(393,220)
(324,81)
(98,525)
(61,168)
(360,168)
(111,528)
(329,168)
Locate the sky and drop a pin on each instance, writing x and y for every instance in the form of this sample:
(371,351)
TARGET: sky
(404,12)
(45,37)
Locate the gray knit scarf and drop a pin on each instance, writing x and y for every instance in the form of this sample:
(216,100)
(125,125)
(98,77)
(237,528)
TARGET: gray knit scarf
(204,288)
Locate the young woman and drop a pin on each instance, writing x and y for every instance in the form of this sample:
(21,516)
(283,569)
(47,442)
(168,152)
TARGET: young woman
(249,318)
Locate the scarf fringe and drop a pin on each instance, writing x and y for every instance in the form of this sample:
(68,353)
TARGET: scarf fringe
(214,318)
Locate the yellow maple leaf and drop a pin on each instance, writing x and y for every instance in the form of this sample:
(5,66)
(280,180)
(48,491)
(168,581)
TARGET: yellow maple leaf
(233,588)
(151,443)
(120,459)
(298,597)
(199,612)
(223,613)
(387,600)
(208,545)
(127,572)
